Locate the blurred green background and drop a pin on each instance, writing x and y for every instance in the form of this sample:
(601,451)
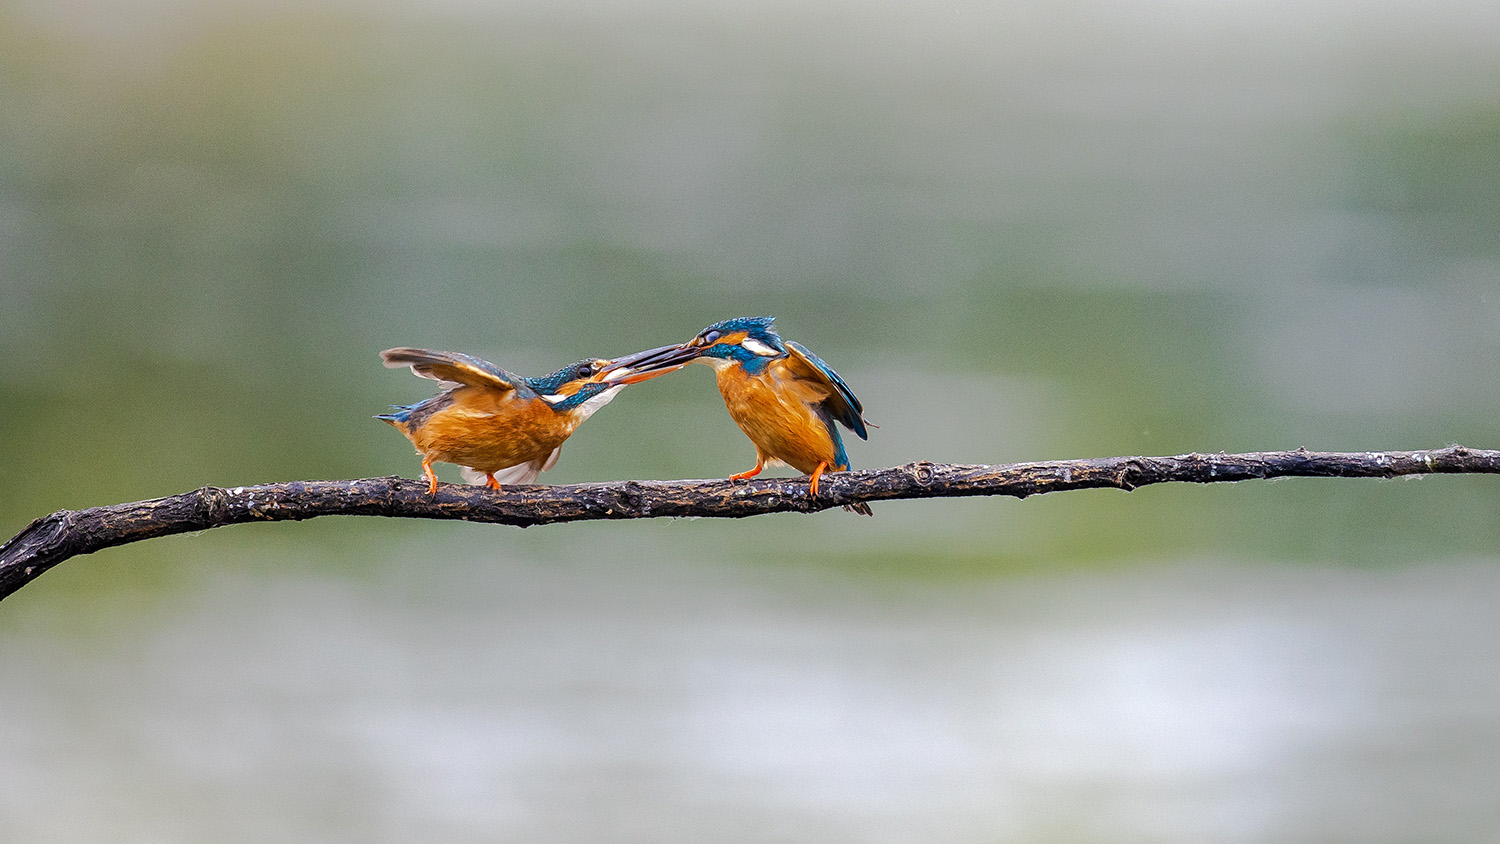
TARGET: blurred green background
(1021,231)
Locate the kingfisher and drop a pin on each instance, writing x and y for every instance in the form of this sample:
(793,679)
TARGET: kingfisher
(497,426)
(784,397)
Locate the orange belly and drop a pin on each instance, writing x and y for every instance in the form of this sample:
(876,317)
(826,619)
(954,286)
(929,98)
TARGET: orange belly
(779,417)
(489,433)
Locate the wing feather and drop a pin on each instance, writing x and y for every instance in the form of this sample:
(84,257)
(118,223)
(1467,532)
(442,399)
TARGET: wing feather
(454,368)
(841,403)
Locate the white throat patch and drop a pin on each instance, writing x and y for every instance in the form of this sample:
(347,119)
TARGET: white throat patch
(597,401)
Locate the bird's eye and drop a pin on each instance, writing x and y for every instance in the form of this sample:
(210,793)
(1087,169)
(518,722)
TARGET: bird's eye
(710,336)
(585,370)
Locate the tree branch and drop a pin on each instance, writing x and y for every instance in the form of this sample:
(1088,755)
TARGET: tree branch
(67,533)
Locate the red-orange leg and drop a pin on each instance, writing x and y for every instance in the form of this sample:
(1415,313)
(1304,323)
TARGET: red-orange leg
(430,476)
(813,491)
(489,481)
(760,463)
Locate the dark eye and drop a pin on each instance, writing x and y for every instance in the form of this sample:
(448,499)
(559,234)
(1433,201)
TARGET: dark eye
(585,370)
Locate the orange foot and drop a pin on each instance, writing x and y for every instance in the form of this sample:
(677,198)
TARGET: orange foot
(489,481)
(430,476)
(760,463)
(813,487)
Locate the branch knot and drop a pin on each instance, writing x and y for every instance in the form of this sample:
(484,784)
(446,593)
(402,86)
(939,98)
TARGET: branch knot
(214,506)
(922,472)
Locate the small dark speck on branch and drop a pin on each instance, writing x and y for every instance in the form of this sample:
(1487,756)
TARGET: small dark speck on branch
(68,533)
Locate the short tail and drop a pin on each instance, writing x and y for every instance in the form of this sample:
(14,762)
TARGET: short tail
(859,507)
(399,417)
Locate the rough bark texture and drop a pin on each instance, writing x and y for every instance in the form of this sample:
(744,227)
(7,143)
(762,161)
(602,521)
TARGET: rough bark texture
(67,533)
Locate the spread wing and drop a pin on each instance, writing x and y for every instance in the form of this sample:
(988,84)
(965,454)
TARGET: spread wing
(841,403)
(453,368)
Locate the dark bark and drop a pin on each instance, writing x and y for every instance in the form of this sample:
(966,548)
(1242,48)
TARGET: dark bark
(67,533)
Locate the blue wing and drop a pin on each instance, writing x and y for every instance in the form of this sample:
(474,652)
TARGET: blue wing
(841,403)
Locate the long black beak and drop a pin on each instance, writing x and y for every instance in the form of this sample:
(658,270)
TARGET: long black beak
(642,366)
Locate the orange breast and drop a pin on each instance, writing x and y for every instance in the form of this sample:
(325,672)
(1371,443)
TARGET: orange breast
(488,430)
(776,411)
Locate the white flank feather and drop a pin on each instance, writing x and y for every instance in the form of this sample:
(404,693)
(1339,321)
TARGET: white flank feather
(551,459)
(523,473)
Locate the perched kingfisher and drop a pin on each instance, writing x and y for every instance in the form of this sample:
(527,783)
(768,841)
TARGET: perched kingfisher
(497,426)
(784,397)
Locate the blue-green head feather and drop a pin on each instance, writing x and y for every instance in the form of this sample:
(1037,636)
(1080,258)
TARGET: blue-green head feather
(761,328)
(552,384)
(758,331)
(553,381)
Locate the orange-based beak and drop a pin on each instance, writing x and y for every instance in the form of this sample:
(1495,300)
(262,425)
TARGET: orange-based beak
(643,366)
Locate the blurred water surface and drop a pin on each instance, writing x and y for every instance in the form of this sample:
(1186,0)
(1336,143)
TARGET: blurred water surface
(578,696)
(1021,231)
